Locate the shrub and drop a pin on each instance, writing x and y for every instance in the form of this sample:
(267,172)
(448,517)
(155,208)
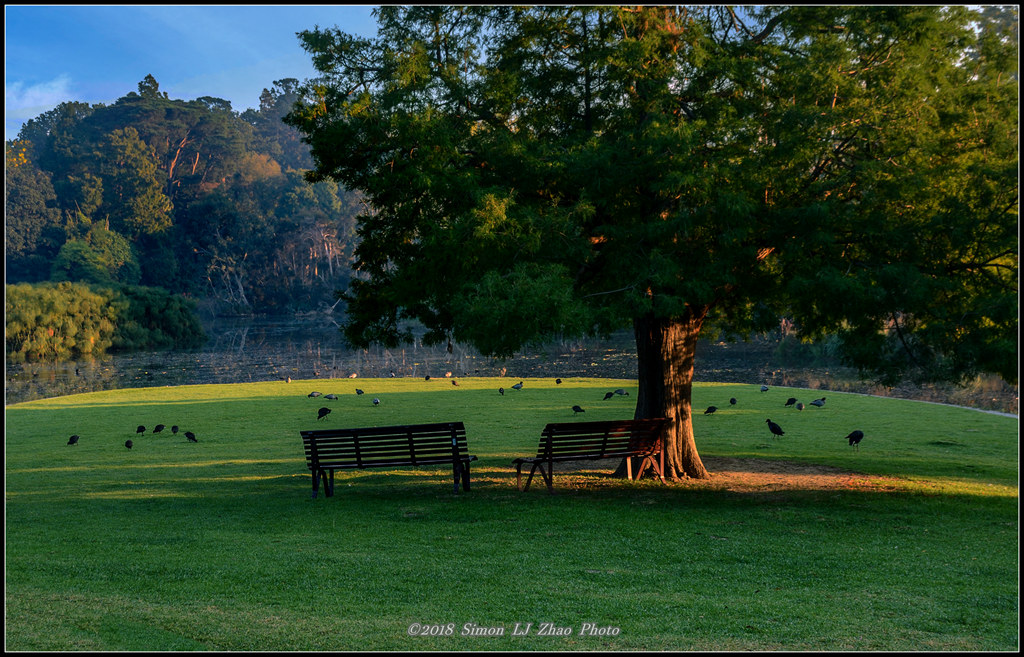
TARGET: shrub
(63,321)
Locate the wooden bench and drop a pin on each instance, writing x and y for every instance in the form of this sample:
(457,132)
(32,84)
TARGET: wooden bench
(578,441)
(328,450)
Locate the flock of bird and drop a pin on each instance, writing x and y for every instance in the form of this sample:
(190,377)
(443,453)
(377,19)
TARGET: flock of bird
(141,429)
(776,431)
(854,438)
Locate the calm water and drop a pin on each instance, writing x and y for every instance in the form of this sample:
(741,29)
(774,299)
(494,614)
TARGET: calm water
(268,349)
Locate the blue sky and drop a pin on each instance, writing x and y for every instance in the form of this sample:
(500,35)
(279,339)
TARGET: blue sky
(97,54)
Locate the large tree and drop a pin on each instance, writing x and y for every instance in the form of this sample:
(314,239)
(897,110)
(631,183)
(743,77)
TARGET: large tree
(531,171)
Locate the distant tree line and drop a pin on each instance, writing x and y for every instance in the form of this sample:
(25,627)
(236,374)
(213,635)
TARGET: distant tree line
(188,196)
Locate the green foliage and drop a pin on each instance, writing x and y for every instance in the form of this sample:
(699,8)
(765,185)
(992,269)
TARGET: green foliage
(854,167)
(153,318)
(31,219)
(102,257)
(64,321)
(57,321)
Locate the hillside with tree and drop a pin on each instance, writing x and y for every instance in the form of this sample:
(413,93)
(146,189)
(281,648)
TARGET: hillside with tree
(185,195)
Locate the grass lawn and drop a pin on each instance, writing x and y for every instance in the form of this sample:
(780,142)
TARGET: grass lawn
(909,543)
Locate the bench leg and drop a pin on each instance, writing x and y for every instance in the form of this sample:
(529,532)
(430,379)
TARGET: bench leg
(465,476)
(316,482)
(457,474)
(654,466)
(530,478)
(329,484)
(549,476)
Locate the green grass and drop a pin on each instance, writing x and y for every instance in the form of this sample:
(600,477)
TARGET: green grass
(218,546)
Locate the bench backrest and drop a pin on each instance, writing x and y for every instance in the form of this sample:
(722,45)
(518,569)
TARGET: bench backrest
(601,439)
(380,446)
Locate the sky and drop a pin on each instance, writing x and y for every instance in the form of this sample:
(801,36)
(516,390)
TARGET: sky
(99,53)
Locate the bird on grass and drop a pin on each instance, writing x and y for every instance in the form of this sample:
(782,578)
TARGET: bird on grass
(174,429)
(359,392)
(501,391)
(818,402)
(330,396)
(376,402)
(800,406)
(518,386)
(576,410)
(622,392)
(323,412)
(764,388)
(191,437)
(128,444)
(158,428)
(608,395)
(855,437)
(711,410)
(141,429)
(732,401)
(314,394)
(775,429)
(790,401)
(454,382)
(426,378)
(558,382)
(73,440)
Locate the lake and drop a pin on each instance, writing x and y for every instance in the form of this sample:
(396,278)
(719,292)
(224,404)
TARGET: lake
(268,349)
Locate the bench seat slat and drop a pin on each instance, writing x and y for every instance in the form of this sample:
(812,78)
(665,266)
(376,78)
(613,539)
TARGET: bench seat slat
(572,441)
(380,447)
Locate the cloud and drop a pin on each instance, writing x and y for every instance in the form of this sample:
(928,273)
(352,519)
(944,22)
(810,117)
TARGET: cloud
(23,102)
(27,102)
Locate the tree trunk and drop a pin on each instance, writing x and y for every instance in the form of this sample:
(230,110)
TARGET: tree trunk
(666,347)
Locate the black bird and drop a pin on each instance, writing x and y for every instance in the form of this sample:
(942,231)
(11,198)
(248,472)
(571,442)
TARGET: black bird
(818,402)
(800,406)
(558,382)
(711,410)
(576,410)
(141,429)
(454,382)
(622,392)
(191,437)
(790,401)
(764,388)
(518,386)
(376,402)
(501,391)
(608,395)
(732,401)
(128,444)
(330,396)
(358,391)
(314,394)
(322,413)
(73,440)
(775,429)
(855,437)
(426,378)
(158,428)
(174,429)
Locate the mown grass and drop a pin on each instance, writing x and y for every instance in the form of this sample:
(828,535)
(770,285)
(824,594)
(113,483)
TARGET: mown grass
(217,545)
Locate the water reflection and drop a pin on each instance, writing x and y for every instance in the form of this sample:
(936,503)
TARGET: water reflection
(268,349)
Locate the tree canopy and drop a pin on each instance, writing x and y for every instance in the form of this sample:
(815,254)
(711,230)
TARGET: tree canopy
(533,171)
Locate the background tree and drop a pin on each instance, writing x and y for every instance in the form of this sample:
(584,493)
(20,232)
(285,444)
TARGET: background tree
(553,170)
(31,219)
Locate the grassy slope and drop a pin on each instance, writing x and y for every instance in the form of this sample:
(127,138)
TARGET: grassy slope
(217,546)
